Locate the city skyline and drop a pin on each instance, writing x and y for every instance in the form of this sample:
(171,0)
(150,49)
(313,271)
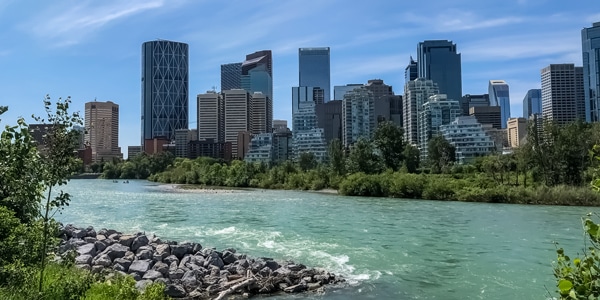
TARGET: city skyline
(92,51)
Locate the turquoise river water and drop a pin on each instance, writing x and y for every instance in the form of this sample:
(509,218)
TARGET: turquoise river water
(385,248)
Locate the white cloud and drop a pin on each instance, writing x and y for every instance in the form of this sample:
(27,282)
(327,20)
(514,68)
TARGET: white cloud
(456,21)
(69,26)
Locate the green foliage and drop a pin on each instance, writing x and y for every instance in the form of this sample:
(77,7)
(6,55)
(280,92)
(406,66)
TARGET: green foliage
(140,166)
(307,161)
(360,184)
(411,159)
(118,287)
(388,138)
(440,154)
(363,158)
(336,157)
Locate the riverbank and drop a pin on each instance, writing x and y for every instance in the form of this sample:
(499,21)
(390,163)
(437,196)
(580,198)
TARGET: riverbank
(187,269)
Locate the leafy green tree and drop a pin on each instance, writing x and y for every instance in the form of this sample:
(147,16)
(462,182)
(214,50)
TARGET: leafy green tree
(363,158)
(307,161)
(388,138)
(411,158)
(440,153)
(336,157)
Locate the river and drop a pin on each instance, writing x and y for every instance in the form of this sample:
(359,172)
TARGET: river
(386,248)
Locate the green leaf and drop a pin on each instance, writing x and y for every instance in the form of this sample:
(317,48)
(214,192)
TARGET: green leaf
(565,286)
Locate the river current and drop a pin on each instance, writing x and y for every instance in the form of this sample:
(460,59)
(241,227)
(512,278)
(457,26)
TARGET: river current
(385,248)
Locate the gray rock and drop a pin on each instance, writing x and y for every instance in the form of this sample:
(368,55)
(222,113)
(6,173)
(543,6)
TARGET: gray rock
(90,239)
(96,269)
(181,250)
(197,260)
(100,245)
(152,275)
(78,233)
(124,262)
(173,266)
(184,260)
(142,284)
(115,251)
(138,242)
(114,236)
(140,266)
(175,291)
(170,259)
(161,267)
(313,286)
(196,247)
(190,281)
(282,271)
(102,260)
(85,259)
(144,254)
(126,240)
(273,265)
(136,276)
(100,237)
(296,288)
(162,251)
(129,255)
(217,262)
(265,272)
(87,249)
(176,274)
(119,267)
(84,267)
(229,257)
(163,280)
(90,232)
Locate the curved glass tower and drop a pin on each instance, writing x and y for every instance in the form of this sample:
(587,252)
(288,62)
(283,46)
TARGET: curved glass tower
(164,89)
(499,96)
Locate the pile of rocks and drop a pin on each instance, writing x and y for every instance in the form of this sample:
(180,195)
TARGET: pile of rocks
(186,269)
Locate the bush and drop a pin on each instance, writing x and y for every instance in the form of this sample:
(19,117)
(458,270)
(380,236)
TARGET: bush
(118,287)
(407,185)
(361,184)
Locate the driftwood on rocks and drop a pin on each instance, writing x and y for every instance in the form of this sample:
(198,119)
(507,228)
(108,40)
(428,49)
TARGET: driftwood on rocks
(187,270)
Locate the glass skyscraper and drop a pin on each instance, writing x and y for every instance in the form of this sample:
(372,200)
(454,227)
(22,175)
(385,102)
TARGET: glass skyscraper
(532,103)
(231,76)
(590,40)
(411,72)
(437,60)
(499,96)
(164,88)
(314,69)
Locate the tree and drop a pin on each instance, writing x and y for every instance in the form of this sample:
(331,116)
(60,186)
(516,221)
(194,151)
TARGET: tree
(388,139)
(307,161)
(336,157)
(362,158)
(411,158)
(440,153)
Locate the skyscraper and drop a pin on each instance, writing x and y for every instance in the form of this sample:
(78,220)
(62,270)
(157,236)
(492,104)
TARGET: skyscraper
(561,93)
(231,76)
(532,103)
(416,93)
(412,71)
(164,89)
(590,40)
(314,69)
(469,101)
(210,116)
(236,116)
(358,115)
(437,111)
(437,60)
(257,76)
(102,123)
(499,96)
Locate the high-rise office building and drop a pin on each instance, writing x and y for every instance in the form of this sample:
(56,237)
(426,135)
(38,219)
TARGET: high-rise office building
(416,93)
(437,111)
(102,123)
(260,114)
(231,76)
(236,116)
(329,117)
(411,72)
(516,129)
(257,77)
(438,60)
(532,103)
(590,40)
(491,115)
(306,93)
(164,89)
(358,115)
(562,96)
(499,96)
(210,118)
(314,69)
(469,101)
(340,90)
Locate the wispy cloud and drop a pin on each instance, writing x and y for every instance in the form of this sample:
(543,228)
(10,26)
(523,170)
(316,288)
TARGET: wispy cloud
(73,24)
(456,21)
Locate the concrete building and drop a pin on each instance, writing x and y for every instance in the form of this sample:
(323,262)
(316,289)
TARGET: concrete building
(590,41)
(340,90)
(468,138)
(487,115)
(416,93)
(280,125)
(164,89)
(314,69)
(282,145)
(437,111)
(307,136)
(467,101)
(500,96)
(358,115)
(102,123)
(183,137)
(516,131)
(329,117)
(210,116)
(133,151)
(236,117)
(532,103)
(304,94)
(261,149)
(562,93)
(261,122)
(209,148)
(438,61)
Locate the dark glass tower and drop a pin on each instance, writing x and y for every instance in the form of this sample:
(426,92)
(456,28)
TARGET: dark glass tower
(231,76)
(314,70)
(164,89)
(411,72)
(590,40)
(532,103)
(437,60)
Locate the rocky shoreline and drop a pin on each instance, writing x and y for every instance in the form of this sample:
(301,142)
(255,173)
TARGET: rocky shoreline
(188,270)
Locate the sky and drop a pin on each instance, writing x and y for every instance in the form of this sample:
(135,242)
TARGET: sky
(91,50)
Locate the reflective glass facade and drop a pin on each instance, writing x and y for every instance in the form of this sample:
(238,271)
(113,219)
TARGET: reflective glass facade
(231,76)
(164,89)
(499,96)
(314,69)
(532,103)
(438,61)
(590,39)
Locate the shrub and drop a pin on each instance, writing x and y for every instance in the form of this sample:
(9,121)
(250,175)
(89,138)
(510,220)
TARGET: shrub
(407,185)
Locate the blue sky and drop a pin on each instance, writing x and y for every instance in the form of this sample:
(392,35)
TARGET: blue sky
(92,49)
